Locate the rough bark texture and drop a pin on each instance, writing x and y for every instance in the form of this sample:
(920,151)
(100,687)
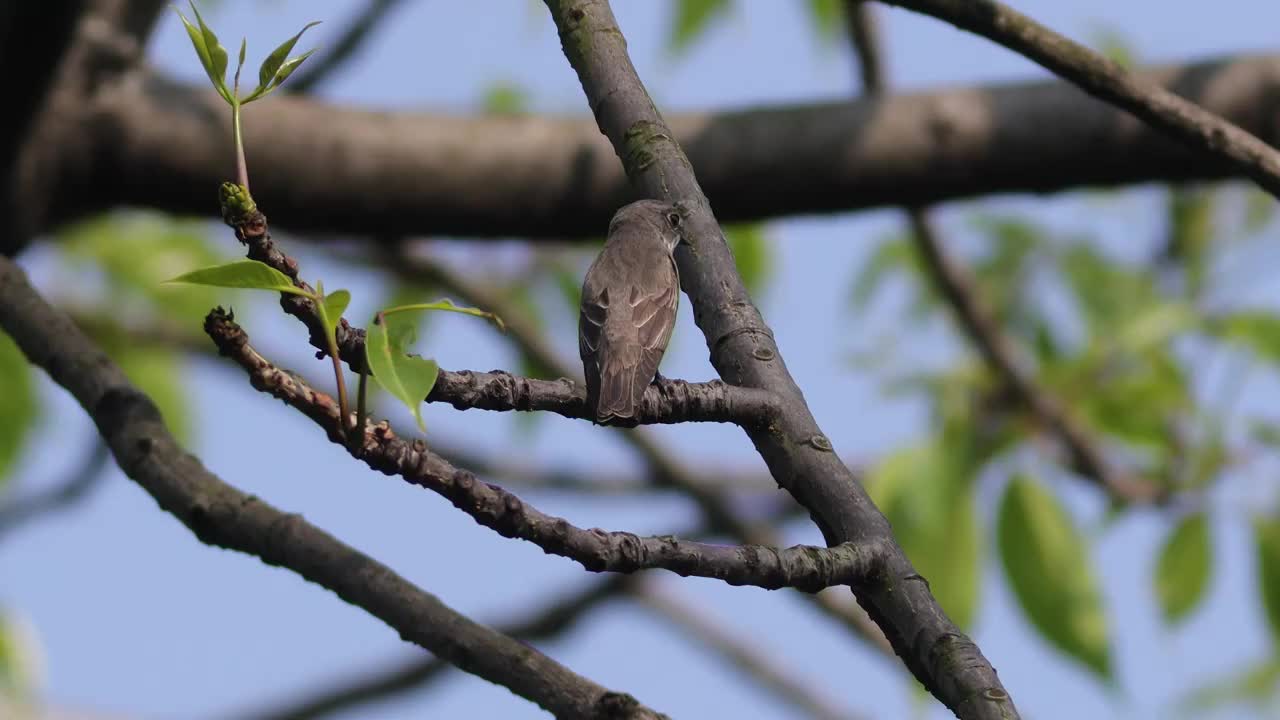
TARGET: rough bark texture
(328,169)
(743,351)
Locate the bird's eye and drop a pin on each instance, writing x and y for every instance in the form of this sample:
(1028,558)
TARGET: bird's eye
(674,219)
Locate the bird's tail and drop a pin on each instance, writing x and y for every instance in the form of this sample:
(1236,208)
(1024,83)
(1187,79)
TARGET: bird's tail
(621,388)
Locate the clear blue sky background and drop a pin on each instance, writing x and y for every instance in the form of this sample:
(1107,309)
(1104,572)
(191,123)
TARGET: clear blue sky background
(138,619)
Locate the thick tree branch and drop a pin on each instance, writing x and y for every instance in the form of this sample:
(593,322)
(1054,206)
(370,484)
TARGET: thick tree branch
(223,516)
(329,169)
(743,351)
(802,567)
(1191,124)
(958,288)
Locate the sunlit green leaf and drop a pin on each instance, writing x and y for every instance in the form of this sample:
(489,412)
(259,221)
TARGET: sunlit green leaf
(448,305)
(18,404)
(1183,567)
(276,60)
(407,377)
(750,249)
(249,274)
(1266,532)
(335,303)
(692,18)
(1105,290)
(290,65)
(926,493)
(215,57)
(1047,564)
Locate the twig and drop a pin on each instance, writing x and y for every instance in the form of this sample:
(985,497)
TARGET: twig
(802,567)
(62,495)
(1107,80)
(963,295)
(221,515)
(751,661)
(743,351)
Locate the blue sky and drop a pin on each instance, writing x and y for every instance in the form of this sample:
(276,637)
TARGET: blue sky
(136,618)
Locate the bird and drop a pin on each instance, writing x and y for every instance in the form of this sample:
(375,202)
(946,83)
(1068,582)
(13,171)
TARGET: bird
(628,308)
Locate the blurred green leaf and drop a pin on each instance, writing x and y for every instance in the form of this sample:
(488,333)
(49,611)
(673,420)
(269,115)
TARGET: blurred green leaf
(1260,207)
(1255,330)
(1046,562)
(407,377)
(826,17)
(505,99)
(1115,46)
(570,287)
(19,405)
(1266,533)
(1254,686)
(926,493)
(1133,398)
(1191,232)
(691,19)
(247,274)
(159,374)
(750,249)
(1183,567)
(1106,291)
(893,254)
(446,304)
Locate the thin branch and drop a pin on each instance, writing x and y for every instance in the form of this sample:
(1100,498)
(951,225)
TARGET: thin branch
(221,515)
(751,661)
(743,351)
(963,295)
(349,43)
(669,402)
(666,471)
(1193,125)
(550,178)
(84,478)
(802,567)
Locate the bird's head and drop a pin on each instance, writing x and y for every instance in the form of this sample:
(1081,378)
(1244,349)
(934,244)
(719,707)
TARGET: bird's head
(659,216)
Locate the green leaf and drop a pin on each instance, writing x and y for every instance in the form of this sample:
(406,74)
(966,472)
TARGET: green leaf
(1255,330)
(408,377)
(19,655)
(893,254)
(269,72)
(692,18)
(1046,562)
(750,248)
(249,274)
(1190,233)
(18,404)
(447,305)
(214,57)
(926,493)
(1183,568)
(1113,44)
(1106,291)
(1254,685)
(335,303)
(826,18)
(1260,207)
(1266,533)
(505,99)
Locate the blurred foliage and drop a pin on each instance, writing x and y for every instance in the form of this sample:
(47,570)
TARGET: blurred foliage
(751,250)
(19,408)
(1184,566)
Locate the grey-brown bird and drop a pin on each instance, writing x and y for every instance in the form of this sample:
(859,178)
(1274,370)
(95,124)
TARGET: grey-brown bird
(629,300)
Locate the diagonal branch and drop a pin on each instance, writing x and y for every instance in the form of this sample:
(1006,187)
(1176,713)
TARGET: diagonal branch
(963,295)
(802,567)
(221,515)
(86,475)
(743,351)
(1193,125)
(353,38)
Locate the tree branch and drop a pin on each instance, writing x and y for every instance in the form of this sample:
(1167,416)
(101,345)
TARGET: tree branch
(802,567)
(414,173)
(743,351)
(963,295)
(1192,125)
(221,515)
